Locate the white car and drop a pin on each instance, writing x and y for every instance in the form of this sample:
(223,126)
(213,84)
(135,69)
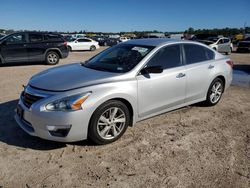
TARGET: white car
(83,44)
(221,44)
(124,39)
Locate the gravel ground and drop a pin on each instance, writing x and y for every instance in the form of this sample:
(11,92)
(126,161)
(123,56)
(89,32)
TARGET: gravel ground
(194,146)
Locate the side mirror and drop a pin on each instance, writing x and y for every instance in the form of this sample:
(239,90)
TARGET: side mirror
(152,69)
(76,41)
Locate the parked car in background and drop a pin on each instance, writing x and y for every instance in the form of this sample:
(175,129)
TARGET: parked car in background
(83,44)
(98,99)
(101,40)
(68,38)
(220,44)
(244,46)
(111,41)
(33,46)
(198,37)
(124,39)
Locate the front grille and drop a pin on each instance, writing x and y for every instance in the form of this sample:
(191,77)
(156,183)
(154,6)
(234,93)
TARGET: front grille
(29,99)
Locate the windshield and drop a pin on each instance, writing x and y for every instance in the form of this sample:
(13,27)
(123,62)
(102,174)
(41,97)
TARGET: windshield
(119,59)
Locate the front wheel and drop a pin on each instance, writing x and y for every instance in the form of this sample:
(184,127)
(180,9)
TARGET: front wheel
(215,92)
(52,58)
(109,122)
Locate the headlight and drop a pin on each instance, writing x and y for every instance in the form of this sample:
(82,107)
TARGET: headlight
(70,103)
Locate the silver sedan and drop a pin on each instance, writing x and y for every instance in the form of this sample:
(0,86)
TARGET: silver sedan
(98,99)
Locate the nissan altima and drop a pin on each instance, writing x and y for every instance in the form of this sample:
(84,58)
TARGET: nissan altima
(99,98)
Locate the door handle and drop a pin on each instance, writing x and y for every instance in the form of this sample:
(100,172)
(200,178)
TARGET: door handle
(210,67)
(180,75)
(24,45)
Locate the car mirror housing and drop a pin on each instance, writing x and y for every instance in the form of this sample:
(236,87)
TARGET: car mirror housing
(152,69)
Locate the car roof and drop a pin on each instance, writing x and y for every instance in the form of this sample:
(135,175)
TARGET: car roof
(37,32)
(156,41)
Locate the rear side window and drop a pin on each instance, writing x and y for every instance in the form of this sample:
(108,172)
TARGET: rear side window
(167,57)
(35,37)
(226,40)
(54,38)
(84,40)
(196,53)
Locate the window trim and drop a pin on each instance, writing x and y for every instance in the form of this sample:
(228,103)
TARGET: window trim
(165,46)
(43,39)
(10,43)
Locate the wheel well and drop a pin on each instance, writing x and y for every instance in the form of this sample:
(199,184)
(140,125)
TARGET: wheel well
(57,51)
(130,108)
(223,79)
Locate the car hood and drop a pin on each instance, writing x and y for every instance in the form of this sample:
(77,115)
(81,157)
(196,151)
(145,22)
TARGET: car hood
(68,77)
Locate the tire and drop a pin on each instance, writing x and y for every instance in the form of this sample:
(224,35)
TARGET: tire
(52,58)
(92,48)
(102,129)
(228,53)
(213,92)
(70,49)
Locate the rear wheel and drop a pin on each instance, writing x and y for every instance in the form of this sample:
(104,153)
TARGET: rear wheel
(109,122)
(92,48)
(52,58)
(215,92)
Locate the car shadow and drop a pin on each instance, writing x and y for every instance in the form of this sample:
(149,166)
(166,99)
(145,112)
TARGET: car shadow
(242,67)
(22,64)
(12,134)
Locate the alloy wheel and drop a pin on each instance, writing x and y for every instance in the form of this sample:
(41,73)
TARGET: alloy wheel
(111,123)
(216,92)
(52,58)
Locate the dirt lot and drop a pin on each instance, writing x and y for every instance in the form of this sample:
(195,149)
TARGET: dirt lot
(194,146)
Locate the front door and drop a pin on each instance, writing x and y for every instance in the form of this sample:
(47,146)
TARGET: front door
(14,48)
(161,91)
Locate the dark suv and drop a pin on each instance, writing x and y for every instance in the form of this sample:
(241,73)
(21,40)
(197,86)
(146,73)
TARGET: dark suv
(244,45)
(33,46)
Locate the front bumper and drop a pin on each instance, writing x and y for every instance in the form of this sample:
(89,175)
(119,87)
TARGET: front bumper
(39,123)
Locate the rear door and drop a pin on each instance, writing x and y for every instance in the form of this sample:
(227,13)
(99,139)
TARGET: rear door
(36,47)
(14,48)
(199,70)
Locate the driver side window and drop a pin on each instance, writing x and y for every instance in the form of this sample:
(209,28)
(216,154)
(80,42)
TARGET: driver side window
(16,39)
(167,57)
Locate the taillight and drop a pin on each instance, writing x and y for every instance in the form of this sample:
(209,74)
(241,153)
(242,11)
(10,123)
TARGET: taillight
(65,43)
(230,62)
